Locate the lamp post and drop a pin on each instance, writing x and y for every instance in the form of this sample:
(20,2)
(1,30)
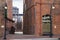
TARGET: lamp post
(5,14)
(52,7)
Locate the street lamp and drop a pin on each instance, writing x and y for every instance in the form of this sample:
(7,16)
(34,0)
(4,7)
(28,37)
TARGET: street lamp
(52,7)
(5,14)
(2,26)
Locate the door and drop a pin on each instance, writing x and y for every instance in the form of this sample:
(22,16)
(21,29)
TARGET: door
(46,24)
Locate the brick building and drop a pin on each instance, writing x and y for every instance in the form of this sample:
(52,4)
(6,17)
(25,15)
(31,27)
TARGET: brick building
(9,14)
(1,17)
(37,10)
(9,11)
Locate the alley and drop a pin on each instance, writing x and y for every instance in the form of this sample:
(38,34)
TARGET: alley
(29,19)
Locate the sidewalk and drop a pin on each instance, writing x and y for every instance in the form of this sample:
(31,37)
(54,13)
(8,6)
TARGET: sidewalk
(37,39)
(19,35)
(28,37)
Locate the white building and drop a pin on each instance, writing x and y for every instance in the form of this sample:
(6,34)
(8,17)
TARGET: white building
(16,16)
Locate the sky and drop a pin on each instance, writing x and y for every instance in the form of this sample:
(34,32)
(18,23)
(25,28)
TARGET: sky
(18,4)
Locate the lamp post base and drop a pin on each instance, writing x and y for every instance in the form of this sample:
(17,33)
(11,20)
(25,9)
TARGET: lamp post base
(51,35)
(4,38)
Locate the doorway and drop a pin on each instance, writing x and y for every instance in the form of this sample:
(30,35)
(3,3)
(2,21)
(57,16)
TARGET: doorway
(46,24)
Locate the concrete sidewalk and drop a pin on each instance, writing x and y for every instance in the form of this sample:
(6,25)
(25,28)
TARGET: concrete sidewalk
(37,39)
(27,37)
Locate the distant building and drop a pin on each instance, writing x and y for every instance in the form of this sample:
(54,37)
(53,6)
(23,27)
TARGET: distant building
(17,17)
(15,10)
(15,13)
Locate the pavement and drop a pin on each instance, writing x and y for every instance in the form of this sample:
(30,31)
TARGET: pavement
(27,37)
(20,36)
(37,39)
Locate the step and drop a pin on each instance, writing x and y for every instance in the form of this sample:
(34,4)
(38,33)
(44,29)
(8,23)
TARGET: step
(18,32)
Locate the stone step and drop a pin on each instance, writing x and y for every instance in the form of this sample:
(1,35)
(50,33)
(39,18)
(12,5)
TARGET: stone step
(18,32)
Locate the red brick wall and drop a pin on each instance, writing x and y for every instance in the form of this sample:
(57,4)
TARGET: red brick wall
(1,17)
(9,11)
(9,4)
(9,14)
(56,19)
(42,7)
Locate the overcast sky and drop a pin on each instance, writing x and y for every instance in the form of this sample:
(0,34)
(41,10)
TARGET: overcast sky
(19,4)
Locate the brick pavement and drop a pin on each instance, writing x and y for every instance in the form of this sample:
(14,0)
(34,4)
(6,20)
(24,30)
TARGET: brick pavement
(37,39)
(27,37)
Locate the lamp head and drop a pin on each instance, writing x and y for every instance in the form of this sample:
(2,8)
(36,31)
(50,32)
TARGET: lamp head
(53,7)
(5,6)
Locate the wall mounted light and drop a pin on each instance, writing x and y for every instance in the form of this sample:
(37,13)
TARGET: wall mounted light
(53,7)
(55,26)
(2,26)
